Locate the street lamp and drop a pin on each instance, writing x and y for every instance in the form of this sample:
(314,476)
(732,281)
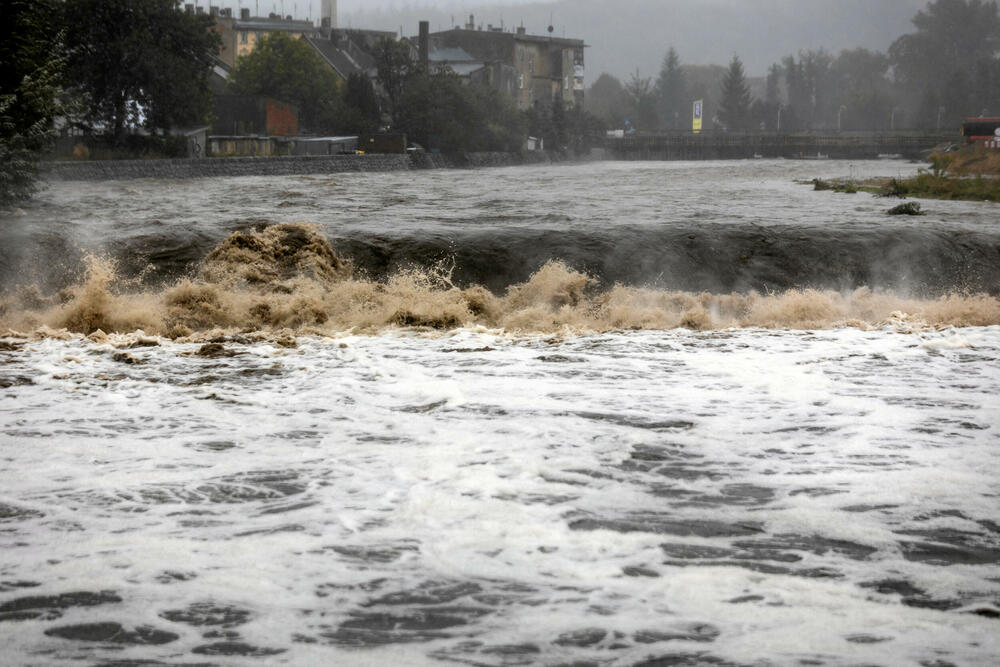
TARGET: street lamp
(892,120)
(940,111)
(839,112)
(779,119)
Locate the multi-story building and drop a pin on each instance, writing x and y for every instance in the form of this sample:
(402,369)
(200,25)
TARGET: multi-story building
(533,69)
(241,36)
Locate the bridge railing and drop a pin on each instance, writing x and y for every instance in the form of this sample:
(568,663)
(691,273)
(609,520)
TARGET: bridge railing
(733,144)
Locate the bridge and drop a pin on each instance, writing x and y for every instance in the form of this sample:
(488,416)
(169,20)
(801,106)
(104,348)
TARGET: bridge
(736,146)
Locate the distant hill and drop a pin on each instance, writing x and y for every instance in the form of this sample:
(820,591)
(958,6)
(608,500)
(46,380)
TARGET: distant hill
(629,34)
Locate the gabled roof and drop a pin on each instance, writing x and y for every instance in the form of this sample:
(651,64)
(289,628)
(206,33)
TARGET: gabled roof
(342,62)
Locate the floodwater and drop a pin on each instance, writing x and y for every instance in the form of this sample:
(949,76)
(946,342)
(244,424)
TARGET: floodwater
(603,414)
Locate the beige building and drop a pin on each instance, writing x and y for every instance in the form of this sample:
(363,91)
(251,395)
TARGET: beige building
(241,36)
(532,69)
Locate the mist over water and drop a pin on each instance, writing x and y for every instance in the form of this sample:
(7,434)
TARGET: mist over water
(606,414)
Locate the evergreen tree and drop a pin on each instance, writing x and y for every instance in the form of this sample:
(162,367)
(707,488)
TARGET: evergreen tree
(734,105)
(671,93)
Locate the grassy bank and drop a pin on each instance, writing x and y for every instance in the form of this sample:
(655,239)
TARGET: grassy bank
(971,174)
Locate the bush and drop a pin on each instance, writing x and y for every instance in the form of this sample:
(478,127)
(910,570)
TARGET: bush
(895,188)
(909,208)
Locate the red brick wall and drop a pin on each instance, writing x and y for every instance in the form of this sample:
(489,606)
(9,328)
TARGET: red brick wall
(282,119)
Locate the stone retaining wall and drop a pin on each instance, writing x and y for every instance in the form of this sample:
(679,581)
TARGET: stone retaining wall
(273,166)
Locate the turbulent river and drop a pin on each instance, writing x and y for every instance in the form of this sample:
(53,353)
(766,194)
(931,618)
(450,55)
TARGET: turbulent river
(602,414)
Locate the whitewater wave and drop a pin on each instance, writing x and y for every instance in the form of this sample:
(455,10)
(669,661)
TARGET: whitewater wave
(289,278)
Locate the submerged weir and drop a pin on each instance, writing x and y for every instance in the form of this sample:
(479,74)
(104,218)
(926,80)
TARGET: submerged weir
(618,414)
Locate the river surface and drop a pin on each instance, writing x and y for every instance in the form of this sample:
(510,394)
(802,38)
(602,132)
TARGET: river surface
(605,414)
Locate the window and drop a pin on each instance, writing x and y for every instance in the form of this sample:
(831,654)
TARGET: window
(243,37)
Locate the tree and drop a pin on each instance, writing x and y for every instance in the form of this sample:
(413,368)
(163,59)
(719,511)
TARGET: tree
(438,111)
(395,66)
(29,94)
(863,89)
(290,70)
(954,38)
(812,100)
(642,103)
(138,63)
(734,105)
(671,93)
(362,113)
(606,99)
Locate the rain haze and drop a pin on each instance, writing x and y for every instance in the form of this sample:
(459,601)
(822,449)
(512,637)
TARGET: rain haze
(633,34)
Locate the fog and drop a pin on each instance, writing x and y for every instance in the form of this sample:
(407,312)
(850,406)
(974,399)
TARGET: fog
(631,34)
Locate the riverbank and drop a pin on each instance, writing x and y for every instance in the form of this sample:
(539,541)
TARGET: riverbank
(970,174)
(100,170)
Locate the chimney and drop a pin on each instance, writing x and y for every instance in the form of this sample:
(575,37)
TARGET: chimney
(329,11)
(245,14)
(521,30)
(425,43)
(199,10)
(189,8)
(214,11)
(471,25)
(226,12)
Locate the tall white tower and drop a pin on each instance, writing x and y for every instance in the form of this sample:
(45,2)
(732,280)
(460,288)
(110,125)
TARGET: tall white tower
(329,12)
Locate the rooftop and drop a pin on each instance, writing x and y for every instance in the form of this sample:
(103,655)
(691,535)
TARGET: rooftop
(344,61)
(523,37)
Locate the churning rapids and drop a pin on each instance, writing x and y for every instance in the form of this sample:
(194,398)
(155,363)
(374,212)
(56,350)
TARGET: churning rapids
(606,414)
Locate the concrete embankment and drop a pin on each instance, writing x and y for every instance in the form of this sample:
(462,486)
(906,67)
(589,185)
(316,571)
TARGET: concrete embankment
(276,166)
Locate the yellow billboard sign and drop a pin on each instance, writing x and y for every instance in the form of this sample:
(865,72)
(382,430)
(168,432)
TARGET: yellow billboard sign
(699,106)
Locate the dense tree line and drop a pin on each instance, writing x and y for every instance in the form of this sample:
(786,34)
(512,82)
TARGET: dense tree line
(946,70)
(29,88)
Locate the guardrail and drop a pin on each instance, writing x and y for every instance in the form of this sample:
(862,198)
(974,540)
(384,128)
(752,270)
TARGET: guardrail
(726,145)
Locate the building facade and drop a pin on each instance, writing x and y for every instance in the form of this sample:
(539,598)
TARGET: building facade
(241,36)
(534,70)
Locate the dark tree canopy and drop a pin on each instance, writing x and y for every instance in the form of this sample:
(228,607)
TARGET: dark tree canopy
(363,111)
(734,105)
(290,70)
(439,112)
(945,66)
(138,63)
(29,93)
(395,66)
(606,99)
(642,103)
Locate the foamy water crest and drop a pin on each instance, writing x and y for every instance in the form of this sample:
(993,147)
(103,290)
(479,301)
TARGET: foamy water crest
(289,278)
